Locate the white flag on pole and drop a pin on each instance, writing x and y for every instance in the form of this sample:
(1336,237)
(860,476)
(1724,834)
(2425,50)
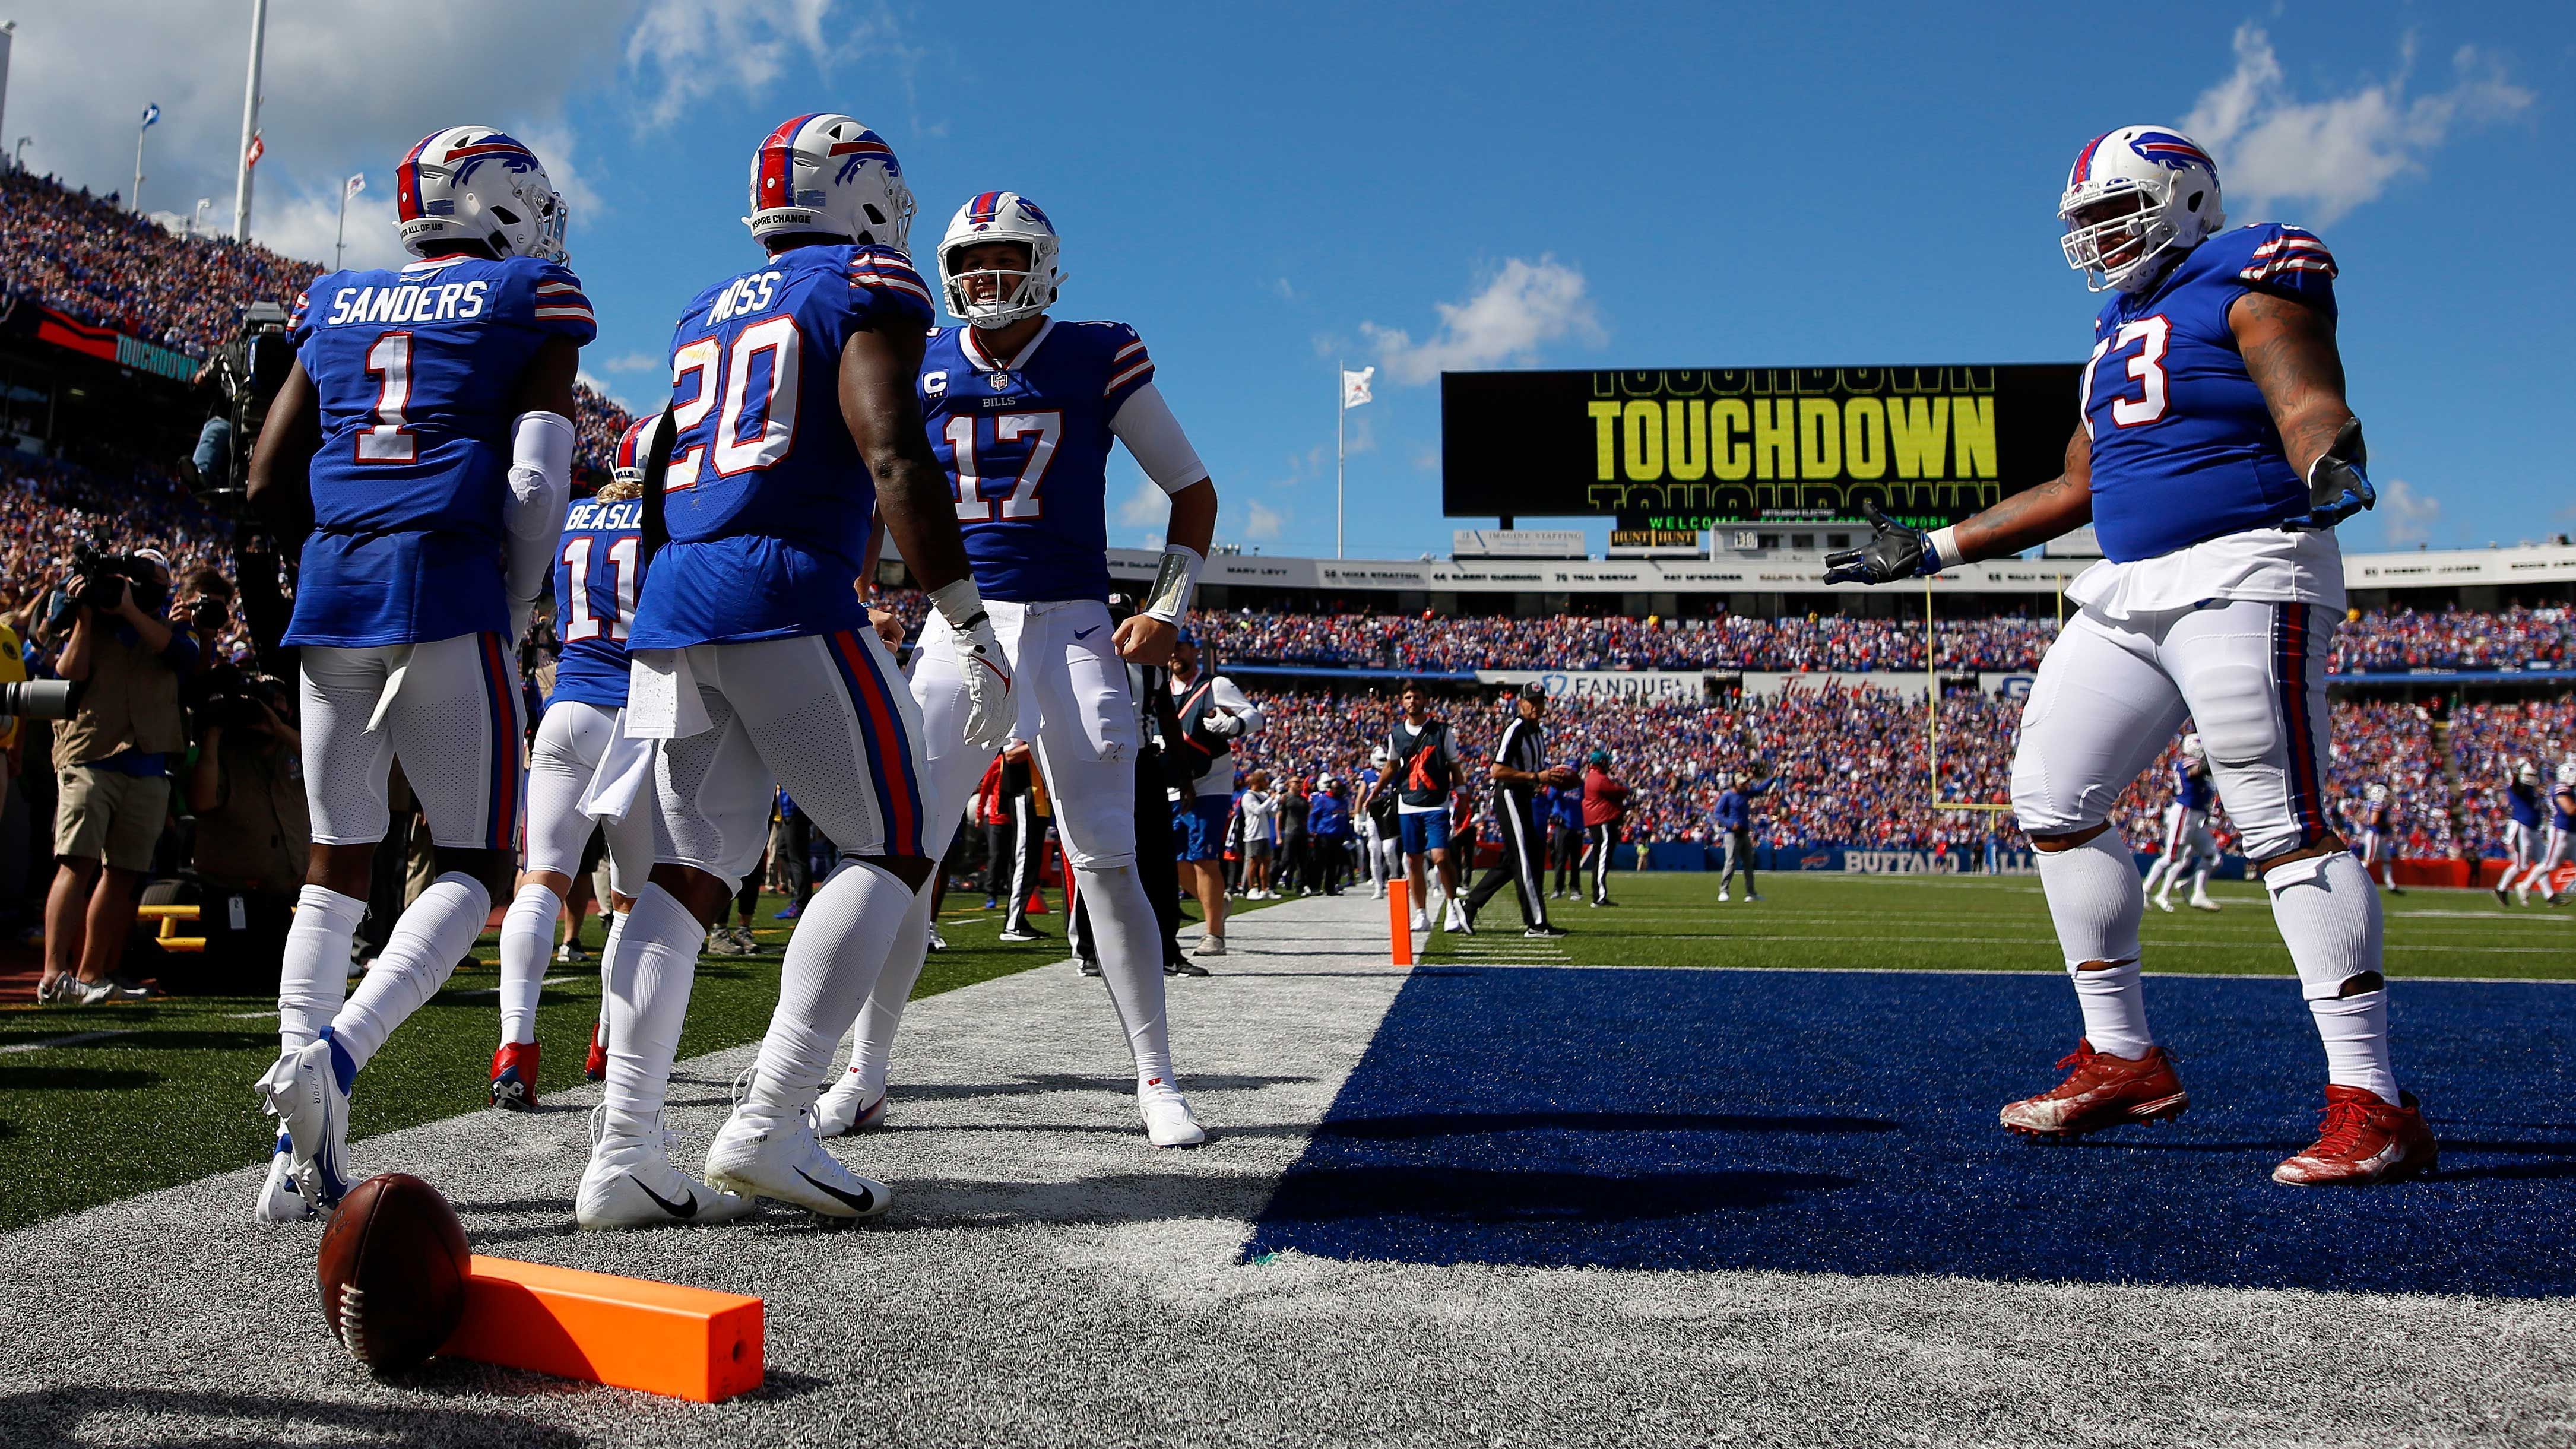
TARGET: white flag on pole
(355,185)
(1355,387)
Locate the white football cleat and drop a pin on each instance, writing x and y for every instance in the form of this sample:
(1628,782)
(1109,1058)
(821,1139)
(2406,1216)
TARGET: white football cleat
(2203,903)
(280,1199)
(761,1156)
(1168,1119)
(1722,897)
(849,1107)
(2163,903)
(935,941)
(1420,921)
(631,1183)
(308,1090)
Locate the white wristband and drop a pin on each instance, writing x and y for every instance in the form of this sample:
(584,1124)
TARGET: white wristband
(1174,583)
(1943,545)
(959,603)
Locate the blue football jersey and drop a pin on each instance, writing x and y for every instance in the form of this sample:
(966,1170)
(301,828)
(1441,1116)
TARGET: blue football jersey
(2524,802)
(417,374)
(766,499)
(1026,443)
(2380,817)
(598,573)
(2192,790)
(2184,449)
(2559,814)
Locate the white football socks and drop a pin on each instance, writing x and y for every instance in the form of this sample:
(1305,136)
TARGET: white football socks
(526,930)
(872,1036)
(841,945)
(2096,900)
(651,963)
(2115,1010)
(433,934)
(1131,964)
(313,975)
(2328,913)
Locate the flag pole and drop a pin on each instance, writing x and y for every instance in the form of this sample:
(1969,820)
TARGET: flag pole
(1338,409)
(250,122)
(340,238)
(135,202)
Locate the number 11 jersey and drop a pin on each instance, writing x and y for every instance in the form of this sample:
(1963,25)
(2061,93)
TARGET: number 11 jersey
(1026,443)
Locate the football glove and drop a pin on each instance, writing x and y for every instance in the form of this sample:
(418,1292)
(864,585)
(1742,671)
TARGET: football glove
(2336,488)
(1893,552)
(1222,725)
(990,713)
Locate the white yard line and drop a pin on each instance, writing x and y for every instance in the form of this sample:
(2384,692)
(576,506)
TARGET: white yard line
(78,1038)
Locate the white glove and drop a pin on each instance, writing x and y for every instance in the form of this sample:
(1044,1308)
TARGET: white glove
(991,714)
(1222,725)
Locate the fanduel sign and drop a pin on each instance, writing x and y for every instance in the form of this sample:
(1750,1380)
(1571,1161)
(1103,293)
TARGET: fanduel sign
(1650,686)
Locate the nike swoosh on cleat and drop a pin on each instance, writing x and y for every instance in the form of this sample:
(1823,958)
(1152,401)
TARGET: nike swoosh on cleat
(1086,633)
(860,1204)
(682,1211)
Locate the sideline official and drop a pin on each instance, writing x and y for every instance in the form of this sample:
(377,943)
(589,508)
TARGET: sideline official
(1519,767)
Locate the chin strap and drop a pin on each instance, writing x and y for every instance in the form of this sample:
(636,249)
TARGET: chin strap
(1174,583)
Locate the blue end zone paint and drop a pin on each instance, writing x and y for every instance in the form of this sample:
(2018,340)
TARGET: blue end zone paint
(1845,1122)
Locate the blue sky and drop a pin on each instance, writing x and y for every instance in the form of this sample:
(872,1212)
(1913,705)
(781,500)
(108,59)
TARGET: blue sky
(1264,192)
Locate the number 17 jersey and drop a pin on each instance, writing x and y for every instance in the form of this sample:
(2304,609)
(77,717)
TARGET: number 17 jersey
(1026,442)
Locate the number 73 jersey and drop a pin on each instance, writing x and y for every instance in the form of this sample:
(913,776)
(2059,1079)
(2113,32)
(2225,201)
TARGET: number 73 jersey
(2184,448)
(1026,443)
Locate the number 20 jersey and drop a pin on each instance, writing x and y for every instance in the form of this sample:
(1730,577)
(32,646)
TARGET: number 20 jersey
(1026,443)
(417,374)
(2184,448)
(766,499)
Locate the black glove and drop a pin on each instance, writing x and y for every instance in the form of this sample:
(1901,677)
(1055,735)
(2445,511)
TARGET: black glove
(1893,552)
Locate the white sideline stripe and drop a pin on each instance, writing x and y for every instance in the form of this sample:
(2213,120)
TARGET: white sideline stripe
(2182,916)
(78,1038)
(248,1015)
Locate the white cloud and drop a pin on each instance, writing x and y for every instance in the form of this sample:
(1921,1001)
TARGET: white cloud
(686,50)
(604,388)
(634,362)
(2334,154)
(2407,514)
(346,88)
(1526,306)
(1262,522)
(1147,507)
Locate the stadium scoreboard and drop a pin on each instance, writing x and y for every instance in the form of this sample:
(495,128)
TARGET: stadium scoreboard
(1698,448)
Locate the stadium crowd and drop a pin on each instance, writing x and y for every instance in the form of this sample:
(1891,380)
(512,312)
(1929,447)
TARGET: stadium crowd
(2371,641)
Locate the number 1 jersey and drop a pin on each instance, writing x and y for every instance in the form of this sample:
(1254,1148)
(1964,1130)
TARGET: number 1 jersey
(766,499)
(1026,443)
(417,375)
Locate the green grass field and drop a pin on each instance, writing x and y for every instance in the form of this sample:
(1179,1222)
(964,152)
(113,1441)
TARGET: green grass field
(1969,923)
(168,1098)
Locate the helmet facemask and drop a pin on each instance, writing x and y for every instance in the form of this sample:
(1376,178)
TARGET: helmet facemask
(2111,242)
(994,297)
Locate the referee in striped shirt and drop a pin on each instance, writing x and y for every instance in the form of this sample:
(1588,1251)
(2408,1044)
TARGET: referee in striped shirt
(1520,766)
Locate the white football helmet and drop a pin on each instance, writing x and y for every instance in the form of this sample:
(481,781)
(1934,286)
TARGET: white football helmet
(2526,772)
(634,447)
(2374,792)
(827,173)
(1001,216)
(2193,749)
(472,183)
(2567,772)
(2133,194)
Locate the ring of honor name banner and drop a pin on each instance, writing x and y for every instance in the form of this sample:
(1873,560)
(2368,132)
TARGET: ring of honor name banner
(1690,449)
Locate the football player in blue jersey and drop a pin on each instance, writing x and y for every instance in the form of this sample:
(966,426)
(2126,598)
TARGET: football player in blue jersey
(754,667)
(421,448)
(2216,456)
(2536,856)
(1023,410)
(2188,845)
(598,569)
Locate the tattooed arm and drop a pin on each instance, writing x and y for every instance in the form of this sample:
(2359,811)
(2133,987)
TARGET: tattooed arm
(2034,515)
(2289,349)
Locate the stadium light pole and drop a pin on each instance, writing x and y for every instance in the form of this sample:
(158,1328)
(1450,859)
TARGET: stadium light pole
(8,35)
(250,122)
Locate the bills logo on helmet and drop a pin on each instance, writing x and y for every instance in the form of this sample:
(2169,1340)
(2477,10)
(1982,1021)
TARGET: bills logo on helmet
(2167,149)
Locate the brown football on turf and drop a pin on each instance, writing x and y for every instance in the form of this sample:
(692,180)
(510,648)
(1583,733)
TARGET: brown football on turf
(393,1268)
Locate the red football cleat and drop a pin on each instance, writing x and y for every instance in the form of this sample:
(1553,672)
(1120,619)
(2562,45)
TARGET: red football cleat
(514,1077)
(2364,1140)
(595,1067)
(2101,1091)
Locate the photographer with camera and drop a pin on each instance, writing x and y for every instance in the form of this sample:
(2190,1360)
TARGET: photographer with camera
(112,756)
(253,831)
(239,382)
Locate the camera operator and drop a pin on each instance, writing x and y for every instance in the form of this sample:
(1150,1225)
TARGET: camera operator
(112,759)
(239,381)
(246,790)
